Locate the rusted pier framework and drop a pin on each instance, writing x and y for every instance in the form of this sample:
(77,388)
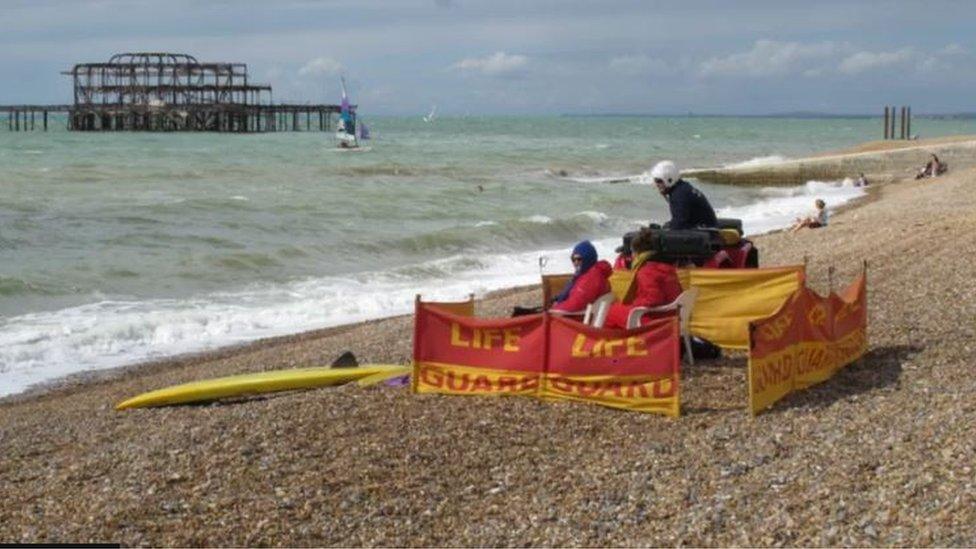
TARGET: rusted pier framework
(31,117)
(170,92)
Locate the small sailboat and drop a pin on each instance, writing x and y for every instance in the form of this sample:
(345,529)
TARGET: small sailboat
(346,131)
(430,117)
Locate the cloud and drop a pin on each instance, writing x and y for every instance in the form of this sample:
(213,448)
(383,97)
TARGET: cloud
(637,65)
(865,60)
(273,73)
(321,66)
(769,57)
(953,49)
(498,63)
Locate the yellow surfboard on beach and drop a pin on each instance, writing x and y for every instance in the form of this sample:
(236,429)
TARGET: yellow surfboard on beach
(258,383)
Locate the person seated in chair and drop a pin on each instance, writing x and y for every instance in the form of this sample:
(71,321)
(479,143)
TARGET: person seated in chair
(624,255)
(656,282)
(589,280)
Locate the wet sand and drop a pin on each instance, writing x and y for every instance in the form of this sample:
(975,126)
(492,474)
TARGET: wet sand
(879,455)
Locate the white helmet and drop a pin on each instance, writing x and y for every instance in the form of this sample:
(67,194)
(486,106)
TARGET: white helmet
(666,171)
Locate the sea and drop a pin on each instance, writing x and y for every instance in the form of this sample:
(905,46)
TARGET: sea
(118,248)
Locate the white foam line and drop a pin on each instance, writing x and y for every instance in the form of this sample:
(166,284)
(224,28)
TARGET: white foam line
(42,346)
(759,161)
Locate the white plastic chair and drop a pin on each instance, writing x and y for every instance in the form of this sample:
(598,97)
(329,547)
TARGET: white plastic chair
(684,303)
(578,315)
(596,312)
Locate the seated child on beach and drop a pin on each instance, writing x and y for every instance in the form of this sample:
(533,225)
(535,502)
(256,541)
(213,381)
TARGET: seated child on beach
(589,280)
(933,168)
(815,221)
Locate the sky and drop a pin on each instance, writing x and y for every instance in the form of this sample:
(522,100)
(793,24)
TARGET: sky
(527,56)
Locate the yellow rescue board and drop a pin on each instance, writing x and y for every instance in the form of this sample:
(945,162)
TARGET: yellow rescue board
(383,376)
(253,384)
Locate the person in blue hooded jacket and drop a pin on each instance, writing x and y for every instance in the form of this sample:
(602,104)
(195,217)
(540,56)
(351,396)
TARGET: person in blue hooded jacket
(589,282)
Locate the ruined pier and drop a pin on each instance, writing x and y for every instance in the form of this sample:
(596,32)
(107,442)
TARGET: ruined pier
(169,92)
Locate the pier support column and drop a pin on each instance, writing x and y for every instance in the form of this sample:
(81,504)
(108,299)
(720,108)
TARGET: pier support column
(886,122)
(903,113)
(892,131)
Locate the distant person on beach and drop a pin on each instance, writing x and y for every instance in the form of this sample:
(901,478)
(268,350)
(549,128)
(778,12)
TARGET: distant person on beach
(624,253)
(933,168)
(656,281)
(861,181)
(589,280)
(815,221)
(689,207)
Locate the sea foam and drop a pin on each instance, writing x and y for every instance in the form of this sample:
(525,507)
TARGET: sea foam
(758,161)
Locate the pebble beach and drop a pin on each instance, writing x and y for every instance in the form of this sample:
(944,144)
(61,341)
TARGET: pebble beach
(881,454)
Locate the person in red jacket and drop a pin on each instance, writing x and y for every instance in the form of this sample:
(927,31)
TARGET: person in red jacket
(656,283)
(624,255)
(589,281)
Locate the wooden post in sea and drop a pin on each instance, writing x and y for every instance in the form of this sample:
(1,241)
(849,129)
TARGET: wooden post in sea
(17,121)
(886,123)
(892,132)
(904,114)
(901,128)
(45,120)
(891,110)
(908,132)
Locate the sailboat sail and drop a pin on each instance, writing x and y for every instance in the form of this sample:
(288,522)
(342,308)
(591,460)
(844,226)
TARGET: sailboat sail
(346,116)
(344,105)
(362,132)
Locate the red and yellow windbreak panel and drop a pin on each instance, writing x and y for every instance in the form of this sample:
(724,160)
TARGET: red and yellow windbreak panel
(805,342)
(630,369)
(548,357)
(728,299)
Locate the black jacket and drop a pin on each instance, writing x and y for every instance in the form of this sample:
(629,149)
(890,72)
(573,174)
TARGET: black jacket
(689,207)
